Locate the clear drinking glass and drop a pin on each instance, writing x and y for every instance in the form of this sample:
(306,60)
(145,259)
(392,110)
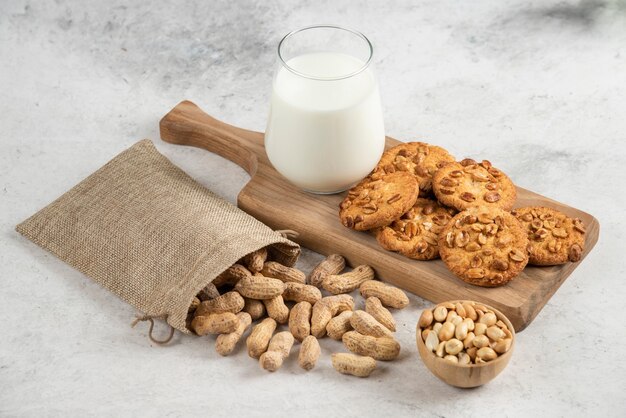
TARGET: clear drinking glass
(325,130)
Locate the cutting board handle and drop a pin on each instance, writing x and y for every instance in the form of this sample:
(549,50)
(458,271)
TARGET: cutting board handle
(187,124)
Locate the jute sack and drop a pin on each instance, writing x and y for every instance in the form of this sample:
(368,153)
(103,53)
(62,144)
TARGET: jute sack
(149,233)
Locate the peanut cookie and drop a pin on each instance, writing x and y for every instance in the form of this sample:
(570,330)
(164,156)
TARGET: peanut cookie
(417,158)
(467,184)
(484,246)
(377,202)
(416,233)
(554,237)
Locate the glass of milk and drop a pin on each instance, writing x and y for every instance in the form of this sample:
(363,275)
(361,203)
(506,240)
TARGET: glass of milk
(325,130)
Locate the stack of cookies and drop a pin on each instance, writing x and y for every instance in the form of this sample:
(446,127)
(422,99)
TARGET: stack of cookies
(420,202)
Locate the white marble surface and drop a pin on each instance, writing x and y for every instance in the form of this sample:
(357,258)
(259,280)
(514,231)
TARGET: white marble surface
(539,88)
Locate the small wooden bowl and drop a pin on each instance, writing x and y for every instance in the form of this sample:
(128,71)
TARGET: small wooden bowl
(465,375)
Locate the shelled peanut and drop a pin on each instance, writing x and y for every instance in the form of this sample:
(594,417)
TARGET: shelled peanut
(260,290)
(464,333)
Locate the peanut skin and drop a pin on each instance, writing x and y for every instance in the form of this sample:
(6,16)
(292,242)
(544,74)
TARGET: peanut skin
(347,282)
(339,325)
(325,309)
(260,337)
(208,292)
(254,307)
(283,273)
(217,323)
(228,302)
(300,320)
(194,305)
(276,309)
(309,353)
(382,348)
(299,292)
(374,307)
(277,351)
(389,296)
(333,264)
(366,324)
(225,343)
(260,287)
(352,364)
(255,260)
(231,275)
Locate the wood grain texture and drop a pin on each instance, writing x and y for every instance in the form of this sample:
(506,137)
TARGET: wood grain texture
(270,198)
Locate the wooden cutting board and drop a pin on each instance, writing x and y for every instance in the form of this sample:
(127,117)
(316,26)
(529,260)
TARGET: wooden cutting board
(270,198)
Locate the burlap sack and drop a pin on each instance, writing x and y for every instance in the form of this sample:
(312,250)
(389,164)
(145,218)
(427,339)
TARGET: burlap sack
(149,233)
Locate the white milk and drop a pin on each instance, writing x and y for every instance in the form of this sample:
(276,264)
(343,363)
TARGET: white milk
(324,136)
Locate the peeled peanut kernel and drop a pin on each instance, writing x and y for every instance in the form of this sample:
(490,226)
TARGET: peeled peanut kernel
(470,312)
(481,341)
(486,354)
(502,346)
(440,313)
(446,332)
(465,333)
(464,358)
(441,349)
(451,358)
(479,307)
(453,346)
(426,318)
(460,332)
(488,319)
(495,333)
(480,328)
(471,352)
(432,341)
(508,333)
(451,315)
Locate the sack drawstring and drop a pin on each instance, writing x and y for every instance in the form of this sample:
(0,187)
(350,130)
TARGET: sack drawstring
(151,319)
(288,233)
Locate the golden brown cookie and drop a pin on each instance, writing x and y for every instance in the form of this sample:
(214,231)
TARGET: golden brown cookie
(484,246)
(467,184)
(554,237)
(417,158)
(416,233)
(377,202)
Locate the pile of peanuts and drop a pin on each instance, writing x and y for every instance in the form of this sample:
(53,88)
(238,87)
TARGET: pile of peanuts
(464,333)
(258,289)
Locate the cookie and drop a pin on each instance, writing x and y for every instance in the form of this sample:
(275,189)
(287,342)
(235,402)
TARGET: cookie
(416,233)
(484,246)
(417,158)
(377,202)
(554,237)
(467,184)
